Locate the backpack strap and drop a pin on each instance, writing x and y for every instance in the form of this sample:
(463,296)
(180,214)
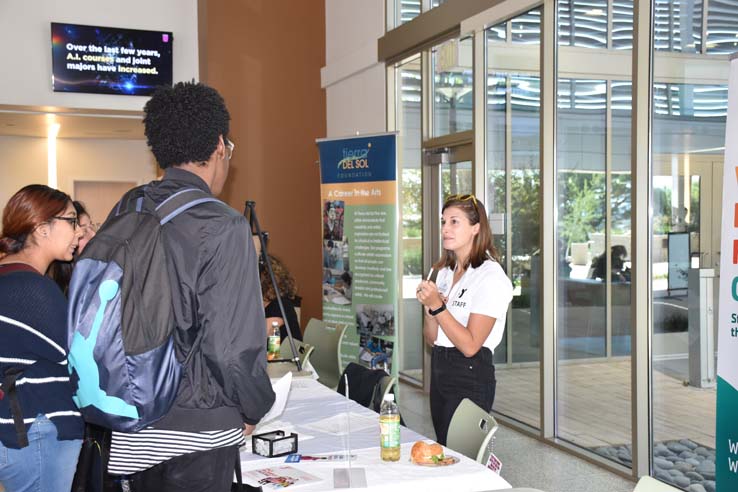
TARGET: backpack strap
(9,389)
(179,202)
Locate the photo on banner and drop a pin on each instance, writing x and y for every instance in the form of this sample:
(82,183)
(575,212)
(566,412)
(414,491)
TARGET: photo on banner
(360,245)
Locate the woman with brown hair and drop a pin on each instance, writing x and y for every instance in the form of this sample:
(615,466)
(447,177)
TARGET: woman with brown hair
(290,300)
(40,427)
(468,302)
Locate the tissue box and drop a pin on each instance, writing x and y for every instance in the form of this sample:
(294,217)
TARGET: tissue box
(273,444)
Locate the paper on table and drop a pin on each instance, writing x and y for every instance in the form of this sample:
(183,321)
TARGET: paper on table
(337,424)
(303,384)
(282,390)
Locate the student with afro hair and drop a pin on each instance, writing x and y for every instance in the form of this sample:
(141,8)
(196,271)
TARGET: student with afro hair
(214,277)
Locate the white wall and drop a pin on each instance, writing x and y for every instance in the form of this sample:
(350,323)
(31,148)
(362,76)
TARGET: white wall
(85,159)
(353,79)
(25,45)
(23,162)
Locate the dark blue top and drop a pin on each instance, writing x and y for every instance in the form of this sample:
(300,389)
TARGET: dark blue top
(33,334)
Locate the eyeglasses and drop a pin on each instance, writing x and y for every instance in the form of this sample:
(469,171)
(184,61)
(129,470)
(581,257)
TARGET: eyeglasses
(72,220)
(462,198)
(230,146)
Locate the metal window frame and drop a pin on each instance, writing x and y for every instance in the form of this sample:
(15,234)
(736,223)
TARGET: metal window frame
(549,224)
(641,288)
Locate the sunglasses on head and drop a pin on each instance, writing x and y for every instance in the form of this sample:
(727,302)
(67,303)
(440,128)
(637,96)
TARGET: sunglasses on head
(462,198)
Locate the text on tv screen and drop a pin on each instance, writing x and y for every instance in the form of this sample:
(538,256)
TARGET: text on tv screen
(108,60)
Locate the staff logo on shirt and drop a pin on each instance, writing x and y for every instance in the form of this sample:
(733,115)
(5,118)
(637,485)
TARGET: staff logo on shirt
(457,303)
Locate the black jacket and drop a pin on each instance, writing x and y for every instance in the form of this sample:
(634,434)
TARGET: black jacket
(213,271)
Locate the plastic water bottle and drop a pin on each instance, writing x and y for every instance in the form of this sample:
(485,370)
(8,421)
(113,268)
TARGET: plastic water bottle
(389,429)
(274,342)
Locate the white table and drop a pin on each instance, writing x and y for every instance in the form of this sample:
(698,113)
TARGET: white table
(310,404)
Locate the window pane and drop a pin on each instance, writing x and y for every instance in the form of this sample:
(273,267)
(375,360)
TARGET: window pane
(620,210)
(404,11)
(452,87)
(688,140)
(513,176)
(622,24)
(678,25)
(583,23)
(722,27)
(408,117)
(526,29)
(497,33)
(593,400)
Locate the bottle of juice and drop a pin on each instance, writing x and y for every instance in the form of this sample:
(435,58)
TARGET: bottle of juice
(389,429)
(274,342)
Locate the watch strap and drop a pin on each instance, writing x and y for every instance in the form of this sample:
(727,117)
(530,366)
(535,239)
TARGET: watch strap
(434,312)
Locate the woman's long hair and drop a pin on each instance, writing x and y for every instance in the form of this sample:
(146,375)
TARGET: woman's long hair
(30,207)
(482,247)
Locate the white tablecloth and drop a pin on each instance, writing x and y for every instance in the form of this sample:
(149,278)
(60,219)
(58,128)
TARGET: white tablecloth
(310,412)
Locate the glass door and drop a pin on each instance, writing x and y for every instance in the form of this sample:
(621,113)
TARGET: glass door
(448,170)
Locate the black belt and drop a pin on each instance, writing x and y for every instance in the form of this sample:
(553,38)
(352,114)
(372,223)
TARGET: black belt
(453,351)
(7,388)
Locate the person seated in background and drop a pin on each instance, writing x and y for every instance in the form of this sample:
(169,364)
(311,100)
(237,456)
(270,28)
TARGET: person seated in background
(288,291)
(618,253)
(61,271)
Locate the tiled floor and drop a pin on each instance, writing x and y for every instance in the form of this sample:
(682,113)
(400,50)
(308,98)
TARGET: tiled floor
(526,462)
(594,403)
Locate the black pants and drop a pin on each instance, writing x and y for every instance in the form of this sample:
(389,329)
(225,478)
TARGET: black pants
(455,377)
(194,472)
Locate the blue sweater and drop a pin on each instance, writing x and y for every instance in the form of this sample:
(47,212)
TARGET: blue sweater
(33,337)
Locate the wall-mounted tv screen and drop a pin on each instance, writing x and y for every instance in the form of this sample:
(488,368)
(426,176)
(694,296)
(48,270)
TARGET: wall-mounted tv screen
(108,60)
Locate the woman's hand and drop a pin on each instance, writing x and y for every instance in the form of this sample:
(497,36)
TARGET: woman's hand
(428,295)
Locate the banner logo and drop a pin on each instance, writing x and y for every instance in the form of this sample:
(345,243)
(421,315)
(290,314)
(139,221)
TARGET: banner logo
(355,159)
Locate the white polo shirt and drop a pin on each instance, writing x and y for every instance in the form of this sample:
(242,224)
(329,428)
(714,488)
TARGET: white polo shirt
(484,290)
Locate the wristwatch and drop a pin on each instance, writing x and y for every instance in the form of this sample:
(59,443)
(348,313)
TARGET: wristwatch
(434,312)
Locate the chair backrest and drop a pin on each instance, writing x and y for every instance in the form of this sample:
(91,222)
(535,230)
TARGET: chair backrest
(471,430)
(648,484)
(384,387)
(305,350)
(326,360)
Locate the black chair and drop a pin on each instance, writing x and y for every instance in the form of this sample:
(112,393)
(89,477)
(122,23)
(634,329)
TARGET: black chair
(365,385)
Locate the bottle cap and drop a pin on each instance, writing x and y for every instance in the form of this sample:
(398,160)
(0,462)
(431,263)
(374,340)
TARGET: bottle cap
(389,397)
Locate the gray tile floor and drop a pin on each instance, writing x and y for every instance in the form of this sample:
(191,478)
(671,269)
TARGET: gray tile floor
(526,462)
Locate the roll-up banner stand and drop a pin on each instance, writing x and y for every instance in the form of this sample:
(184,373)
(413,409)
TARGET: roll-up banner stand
(726,444)
(359,201)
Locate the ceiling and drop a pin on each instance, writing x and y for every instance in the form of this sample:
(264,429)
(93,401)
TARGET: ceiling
(72,125)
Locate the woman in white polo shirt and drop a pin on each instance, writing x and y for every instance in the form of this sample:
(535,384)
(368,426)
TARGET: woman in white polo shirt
(465,310)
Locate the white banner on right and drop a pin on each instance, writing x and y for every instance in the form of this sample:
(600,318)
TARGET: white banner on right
(726,439)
